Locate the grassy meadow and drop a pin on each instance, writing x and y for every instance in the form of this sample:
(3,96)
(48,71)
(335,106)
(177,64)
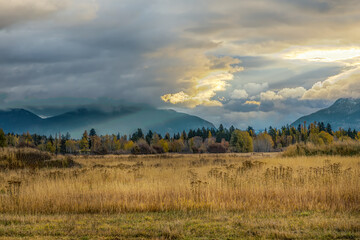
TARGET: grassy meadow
(190,196)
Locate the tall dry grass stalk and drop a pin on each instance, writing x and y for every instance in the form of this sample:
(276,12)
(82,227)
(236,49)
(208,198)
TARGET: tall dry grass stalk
(115,184)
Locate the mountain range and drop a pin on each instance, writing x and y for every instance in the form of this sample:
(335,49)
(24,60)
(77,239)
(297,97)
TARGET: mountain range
(124,120)
(344,113)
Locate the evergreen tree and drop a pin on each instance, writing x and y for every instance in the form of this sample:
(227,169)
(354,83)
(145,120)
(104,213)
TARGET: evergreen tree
(231,129)
(251,131)
(329,129)
(51,139)
(3,142)
(92,133)
(137,135)
(198,132)
(68,136)
(167,137)
(321,126)
(63,145)
(184,135)
(191,134)
(299,128)
(149,137)
(272,132)
(350,133)
(220,134)
(56,144)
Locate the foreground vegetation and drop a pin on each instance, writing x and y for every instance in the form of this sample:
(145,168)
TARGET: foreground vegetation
(225,196)
(117,184)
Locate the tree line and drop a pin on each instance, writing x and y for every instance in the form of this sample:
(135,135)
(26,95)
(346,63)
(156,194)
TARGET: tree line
(203,140)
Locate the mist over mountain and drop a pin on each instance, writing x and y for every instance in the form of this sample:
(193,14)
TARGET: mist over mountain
(344,113)
(124,120)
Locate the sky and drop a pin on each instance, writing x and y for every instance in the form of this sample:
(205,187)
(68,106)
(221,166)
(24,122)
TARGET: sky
(236,62)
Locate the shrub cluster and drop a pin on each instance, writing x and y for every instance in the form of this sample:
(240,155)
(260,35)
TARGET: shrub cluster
(342,148)
(26,158)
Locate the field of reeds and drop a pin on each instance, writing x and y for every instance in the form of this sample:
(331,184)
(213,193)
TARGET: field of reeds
(218,196)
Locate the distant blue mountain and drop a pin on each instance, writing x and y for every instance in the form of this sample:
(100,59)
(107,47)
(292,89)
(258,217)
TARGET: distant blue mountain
(344,113)
(124,120)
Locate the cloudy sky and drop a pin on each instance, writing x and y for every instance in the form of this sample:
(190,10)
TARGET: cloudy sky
(233,61)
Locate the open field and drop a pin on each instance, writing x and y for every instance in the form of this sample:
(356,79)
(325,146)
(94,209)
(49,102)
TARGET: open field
(225,196)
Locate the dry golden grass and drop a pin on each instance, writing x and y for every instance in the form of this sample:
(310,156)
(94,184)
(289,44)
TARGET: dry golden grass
(225,196)
(228,182)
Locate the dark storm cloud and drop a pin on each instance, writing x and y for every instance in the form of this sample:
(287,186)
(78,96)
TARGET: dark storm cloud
(105,57)
(138,51)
